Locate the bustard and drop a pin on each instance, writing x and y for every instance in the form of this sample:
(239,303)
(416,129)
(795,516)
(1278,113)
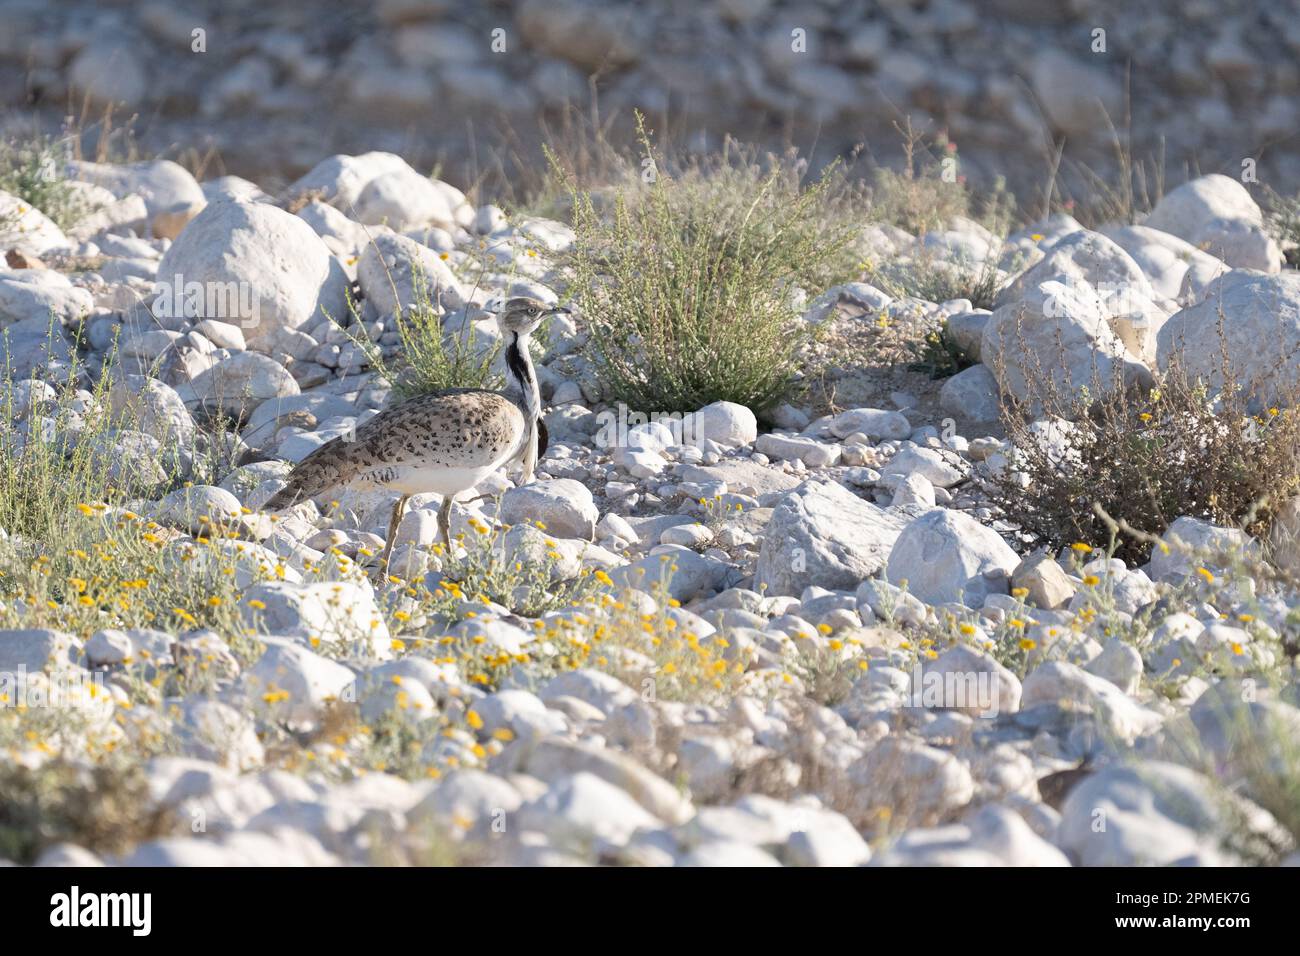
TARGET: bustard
(445,442)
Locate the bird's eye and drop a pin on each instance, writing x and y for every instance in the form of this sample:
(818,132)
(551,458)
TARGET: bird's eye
(532,311)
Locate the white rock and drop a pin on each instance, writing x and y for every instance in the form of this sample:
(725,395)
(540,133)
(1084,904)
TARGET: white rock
(1191,543)
(972,393)
(972,682)
(1261,324)
(875,423)
(214,730)
(38,297)
(813,453)
(1152,814)
(919,784)
(403,199)
(563,505)
(582,808)
(187,508)
(995,836)
(1216,214)
(826,838)
(161,183)
(340,179)
(726,423)
(291,683)
(254,266)
(1165,260)
(1069,686)
(947,556)
(1064,331)
(687,535)
(397,273)
(36,650)
(943,469)
(23,226)
(823,534)
(243,381)
(334,613)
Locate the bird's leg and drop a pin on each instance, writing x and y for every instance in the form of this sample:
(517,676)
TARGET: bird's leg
(444,522)
(398,507)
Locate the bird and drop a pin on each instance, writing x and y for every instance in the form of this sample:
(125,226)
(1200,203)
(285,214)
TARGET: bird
(445,442)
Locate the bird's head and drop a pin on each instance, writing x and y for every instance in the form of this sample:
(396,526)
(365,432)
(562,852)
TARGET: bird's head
(522,314)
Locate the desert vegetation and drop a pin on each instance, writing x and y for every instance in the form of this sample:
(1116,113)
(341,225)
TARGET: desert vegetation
(882,516)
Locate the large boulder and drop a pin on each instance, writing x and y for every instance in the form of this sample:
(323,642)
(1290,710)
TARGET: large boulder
(162,184)
(403,199)
(1256,319)
(397,273)
(1089,261)
(564,507)
(1191,543)
(332,614)
(726,423)
(290,683)
(41,296)
(1060,331)
(1069,687)
(1176,268)
(339,179)
(25,227)
(1217,214)
(1156,814)
(972,394)
(240,383)
(823,534)
(255,266)
(947,557)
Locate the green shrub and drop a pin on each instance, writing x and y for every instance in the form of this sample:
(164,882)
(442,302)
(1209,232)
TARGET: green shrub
(431,358)
(687,283)
(32,171)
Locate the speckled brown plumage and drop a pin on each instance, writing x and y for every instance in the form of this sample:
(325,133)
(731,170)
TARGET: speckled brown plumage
(458,428)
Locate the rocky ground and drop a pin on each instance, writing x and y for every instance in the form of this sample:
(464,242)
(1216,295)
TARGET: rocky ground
(699,642)
(267,89)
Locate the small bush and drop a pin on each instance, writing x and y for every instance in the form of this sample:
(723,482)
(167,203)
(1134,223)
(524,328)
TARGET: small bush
(105,808)
(436,359)
(432,358)
(32,171)
(929,190)
(1145,458)
(937,280)
(688,283)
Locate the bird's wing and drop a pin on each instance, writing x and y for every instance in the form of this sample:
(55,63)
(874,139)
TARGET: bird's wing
(466,428)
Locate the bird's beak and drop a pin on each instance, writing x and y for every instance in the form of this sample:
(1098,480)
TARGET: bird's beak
(559,308)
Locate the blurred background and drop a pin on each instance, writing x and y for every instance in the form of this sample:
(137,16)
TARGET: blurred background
(1060,99)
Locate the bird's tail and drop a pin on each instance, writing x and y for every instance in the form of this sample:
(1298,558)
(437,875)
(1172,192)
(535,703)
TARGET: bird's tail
(325,468)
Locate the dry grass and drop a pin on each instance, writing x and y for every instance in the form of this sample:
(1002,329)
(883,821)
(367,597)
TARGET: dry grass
(1146,458)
